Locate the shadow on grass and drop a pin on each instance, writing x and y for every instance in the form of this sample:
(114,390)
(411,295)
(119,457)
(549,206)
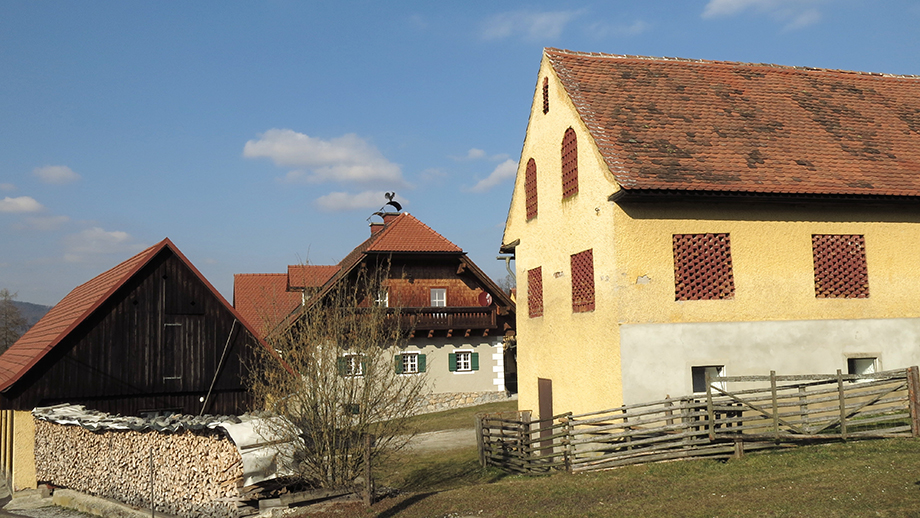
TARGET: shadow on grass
(450,475)
(405,504)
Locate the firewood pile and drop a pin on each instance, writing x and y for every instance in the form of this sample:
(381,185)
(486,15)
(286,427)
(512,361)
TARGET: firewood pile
(193,472)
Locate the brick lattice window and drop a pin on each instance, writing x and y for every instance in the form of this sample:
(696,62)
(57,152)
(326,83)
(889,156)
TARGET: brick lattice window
(840,266)
(535,292)
(530,188)
(583,281)
(545,95)
(569,164)
(703,267)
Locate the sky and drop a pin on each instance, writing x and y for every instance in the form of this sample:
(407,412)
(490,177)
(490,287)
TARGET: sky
(256,135)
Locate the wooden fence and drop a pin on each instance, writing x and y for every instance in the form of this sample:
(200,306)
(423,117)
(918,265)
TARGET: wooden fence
(759,412)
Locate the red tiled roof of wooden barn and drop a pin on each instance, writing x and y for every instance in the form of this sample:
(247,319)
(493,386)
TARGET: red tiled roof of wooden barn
(665,124)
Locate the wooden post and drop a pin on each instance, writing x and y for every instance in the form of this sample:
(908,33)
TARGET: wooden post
(369,490)
(739,447)
(626,426)
(843,406)
(913,391)
(568,449)
(709,410)
(480,441)
(668,412)
(803,409)
(775,405)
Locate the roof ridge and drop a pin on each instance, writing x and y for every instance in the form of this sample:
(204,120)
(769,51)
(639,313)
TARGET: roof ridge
(553,50)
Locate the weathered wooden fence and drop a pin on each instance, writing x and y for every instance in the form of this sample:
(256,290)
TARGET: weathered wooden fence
(759,412)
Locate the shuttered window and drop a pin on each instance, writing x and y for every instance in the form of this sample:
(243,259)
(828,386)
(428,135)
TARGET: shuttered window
(583,281)
(530,188)
(569,164)
(535,292)
(703,267)
(840,266)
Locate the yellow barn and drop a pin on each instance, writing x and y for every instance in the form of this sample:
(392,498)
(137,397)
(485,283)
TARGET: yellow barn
(675,217)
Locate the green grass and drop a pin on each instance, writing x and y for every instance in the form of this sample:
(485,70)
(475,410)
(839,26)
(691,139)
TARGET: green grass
(853,479)
(459,418)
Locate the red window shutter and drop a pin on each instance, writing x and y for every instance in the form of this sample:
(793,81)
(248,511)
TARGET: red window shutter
(530,188)
(840,266)
(583,281)
(703,267)
(535,292)
(569,164)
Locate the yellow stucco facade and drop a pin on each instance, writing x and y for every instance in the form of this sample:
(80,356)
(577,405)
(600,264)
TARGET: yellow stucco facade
(634,279)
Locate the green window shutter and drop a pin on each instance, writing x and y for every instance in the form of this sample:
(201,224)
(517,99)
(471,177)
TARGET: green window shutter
(341,364)
(399,364)
(474,361)
(452,362)
(363,367)
(421,363)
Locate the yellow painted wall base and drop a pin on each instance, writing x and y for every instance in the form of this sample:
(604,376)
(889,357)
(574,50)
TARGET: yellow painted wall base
(23,451)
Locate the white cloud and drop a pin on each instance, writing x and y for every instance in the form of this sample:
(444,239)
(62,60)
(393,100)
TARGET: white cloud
(7,187)
(504,171)
(92,242)
(478,154)
(474,153)
(342,201)
(794,13)
(342,159)
(20,204)
(531,25)
(56,174)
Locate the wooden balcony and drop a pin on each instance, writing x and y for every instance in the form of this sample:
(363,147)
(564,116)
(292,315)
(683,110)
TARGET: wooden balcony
(447,318)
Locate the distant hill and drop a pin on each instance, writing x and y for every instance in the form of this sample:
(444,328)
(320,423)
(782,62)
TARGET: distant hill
(31,312)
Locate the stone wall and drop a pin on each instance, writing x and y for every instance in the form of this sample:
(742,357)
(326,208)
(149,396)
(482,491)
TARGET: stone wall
(452,400)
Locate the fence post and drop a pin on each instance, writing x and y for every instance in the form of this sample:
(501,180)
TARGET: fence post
(709,411)
(568,448)
(913,391)
(480,441)
(843,406)
(668,412)
(775,406)
(626,427)
(803,408)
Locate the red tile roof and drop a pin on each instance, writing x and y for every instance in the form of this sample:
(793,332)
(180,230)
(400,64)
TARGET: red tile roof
(75,308)
(673,124)
(309,275)
(263,299)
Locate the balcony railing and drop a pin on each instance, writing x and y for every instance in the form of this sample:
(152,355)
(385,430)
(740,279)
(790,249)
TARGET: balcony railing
(447,317)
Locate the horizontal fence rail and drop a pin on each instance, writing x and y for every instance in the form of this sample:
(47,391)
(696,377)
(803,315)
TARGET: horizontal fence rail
(758,412)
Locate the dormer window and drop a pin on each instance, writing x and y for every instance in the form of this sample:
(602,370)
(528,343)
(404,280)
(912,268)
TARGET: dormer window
(438,297)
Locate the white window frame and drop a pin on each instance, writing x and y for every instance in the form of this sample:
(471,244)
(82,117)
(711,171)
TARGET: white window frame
(438,297)
(409,362)
(465,364)
(354,365)
(383,298)
(714,370)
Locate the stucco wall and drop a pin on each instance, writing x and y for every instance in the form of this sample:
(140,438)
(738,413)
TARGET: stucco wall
(489,377)
(23,451)
(660,356)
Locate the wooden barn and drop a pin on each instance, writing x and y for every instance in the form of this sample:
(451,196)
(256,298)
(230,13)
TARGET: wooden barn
(150,336)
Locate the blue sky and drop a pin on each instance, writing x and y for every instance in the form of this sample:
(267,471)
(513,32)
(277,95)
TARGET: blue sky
(261,134)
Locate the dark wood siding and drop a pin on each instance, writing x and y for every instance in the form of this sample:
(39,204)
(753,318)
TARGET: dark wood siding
(155,344)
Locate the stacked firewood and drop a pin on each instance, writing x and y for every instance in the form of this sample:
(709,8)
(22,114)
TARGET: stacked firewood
(186,473)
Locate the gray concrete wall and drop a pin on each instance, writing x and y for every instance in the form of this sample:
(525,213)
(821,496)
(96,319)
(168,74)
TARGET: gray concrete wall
(489,377)
(657,358)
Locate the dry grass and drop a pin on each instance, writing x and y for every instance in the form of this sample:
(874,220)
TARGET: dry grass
(854,479)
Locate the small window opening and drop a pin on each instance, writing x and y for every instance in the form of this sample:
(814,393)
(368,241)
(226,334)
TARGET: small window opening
(699,377)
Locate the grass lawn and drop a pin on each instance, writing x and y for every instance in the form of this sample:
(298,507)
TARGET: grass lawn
(867,478)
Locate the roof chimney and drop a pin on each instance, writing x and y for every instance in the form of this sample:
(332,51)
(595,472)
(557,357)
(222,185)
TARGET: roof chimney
(388,217)
(376,227)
